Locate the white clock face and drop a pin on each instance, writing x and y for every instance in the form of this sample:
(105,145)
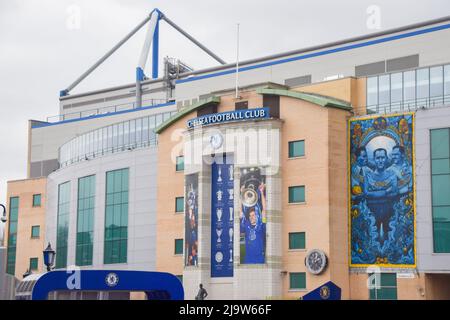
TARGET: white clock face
(216,140)
(316,261)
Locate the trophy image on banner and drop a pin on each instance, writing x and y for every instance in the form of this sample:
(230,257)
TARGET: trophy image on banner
(230,233)
(219,179)
(231,255)
(219,195)
(219,214)
(231,213)
(231,194)
(219,233)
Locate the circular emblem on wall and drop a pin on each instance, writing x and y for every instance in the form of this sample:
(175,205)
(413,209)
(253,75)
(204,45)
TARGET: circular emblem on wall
(219,257)
(316,261)
(216,140)
(112,279)
(325,292)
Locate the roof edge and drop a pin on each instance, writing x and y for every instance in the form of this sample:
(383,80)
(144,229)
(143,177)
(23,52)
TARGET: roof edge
(320,100)
(185,111)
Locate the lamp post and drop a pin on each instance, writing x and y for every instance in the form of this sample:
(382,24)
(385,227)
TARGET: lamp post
(2,225)
(49,257)
(27,273)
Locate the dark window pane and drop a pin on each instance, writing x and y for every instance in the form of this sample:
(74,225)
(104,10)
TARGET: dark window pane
(296,194)
(296,148)
(297,280)
(297,240)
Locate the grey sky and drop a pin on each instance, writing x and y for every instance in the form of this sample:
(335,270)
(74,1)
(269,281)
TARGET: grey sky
(40,54)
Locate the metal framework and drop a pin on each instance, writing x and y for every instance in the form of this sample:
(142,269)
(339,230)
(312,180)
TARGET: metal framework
(151,41)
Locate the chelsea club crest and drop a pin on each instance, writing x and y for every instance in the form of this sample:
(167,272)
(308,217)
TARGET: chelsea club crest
(112,279)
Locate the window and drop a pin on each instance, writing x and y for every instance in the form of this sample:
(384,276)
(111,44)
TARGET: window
(273,103)
(85,221)
(35,231)
(242,105)
(297,240)
(34,264)
(12,235)
(440,188)
(436,82)
(180,163)
(297,194)
(179,204)
(116,217)
(178,246)
(296,148)
(423,83)
(297,280)
(409,87)
(396,87)
(447,80)
(372,91)
(62,229)
(36,200)
(384,286)
(384,89)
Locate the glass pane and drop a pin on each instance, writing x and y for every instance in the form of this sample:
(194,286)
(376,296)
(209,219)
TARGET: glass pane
(447,80)
(436,81)
(396,87)
(441,237)
(384,96)
(440,142)
(297,280)
(409,88)
(296,148)
(440,185)
(388,280)
(296,194)
(297,240)
(441,214)
(423,83)
(440,166)
(372,91)
(387,294)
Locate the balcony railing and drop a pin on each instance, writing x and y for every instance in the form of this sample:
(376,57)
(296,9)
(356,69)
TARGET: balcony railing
(409,105)
(104,110)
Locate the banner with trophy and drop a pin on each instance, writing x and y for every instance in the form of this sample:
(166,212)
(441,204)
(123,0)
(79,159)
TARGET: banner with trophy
(222,218)
(252,216)
(191,220)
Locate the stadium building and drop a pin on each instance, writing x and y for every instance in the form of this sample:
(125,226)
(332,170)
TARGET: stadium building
(330,163)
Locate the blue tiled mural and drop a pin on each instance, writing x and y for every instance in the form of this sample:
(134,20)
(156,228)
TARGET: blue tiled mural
(382,214)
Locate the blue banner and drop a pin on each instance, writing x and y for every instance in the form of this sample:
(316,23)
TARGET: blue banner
(222,218)
(237,115)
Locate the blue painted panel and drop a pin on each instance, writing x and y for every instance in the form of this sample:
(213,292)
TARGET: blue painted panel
(222,217)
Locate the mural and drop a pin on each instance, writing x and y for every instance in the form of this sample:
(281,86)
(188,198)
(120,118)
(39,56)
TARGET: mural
(191,220)
(382,215)
(252,216)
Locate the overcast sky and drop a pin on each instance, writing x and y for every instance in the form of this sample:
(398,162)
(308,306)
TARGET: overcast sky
(47,44)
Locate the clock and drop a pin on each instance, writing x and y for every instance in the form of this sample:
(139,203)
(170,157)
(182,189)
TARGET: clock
(216,140)
(316,261)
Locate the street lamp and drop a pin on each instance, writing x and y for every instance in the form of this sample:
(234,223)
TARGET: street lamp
(2,225)
(49,257)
